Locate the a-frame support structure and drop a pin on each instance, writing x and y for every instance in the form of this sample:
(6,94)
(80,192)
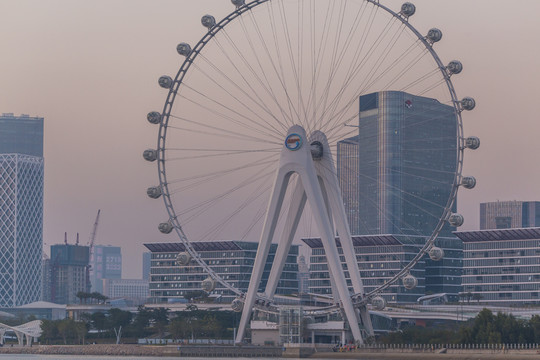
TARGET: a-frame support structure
(318,184)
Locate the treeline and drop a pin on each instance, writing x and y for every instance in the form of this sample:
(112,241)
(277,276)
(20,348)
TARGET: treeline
(156,322)
(485,328)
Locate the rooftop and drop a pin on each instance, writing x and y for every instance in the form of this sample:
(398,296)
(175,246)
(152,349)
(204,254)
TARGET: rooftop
(499,234)
(364,240)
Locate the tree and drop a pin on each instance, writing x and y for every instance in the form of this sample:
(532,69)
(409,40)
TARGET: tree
(81,330)
(49,331)
(160,318)
(477,297)
(99,321)
(67,329)
(142,321)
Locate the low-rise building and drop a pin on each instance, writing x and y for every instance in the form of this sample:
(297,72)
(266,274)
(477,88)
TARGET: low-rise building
(502,266)
(134,291)
(231,260)
(380,257)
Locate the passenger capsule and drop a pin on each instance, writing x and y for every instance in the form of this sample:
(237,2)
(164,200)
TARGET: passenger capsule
(410,282)
(183,258)
(408,9)
(150,155)
(468,182)
(208,284)
(434,35)
(456,220)
(154,192)
(183,49)
(165,228)
(472,142)
(316,150)
(378,303)
(238,3)
(436,253)
(153,117)
(455,67)
(165,82)
(468,103)
(237,305)
(208,21)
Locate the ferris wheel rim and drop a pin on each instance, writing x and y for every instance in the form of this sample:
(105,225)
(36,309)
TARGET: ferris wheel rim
(177,83)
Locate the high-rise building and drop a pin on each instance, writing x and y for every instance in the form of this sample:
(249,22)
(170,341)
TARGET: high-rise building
(21,135)
(232,260)
(106,264)
(509,214)
(21,209)
(146,258)
(69,272)
(396,175)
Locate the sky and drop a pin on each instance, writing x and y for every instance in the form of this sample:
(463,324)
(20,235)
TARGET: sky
(90,68)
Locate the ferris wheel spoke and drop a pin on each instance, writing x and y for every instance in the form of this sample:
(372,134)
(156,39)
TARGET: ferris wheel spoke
(268,88)
(195,211)
(359,66)
(364,85)
(294,65)
(439,83)
(406,68)
(265,86)
(258,163)
(223,133)
(279,74)
(221,225)
(394,222)
(420,80)
(250,125)
(258,102)
(273,24)
(221,154)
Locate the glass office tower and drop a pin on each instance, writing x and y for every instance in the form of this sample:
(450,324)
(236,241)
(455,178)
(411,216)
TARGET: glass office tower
(21,209)
(396,176)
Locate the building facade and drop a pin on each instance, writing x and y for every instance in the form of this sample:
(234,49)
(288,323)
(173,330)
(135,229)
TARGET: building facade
(232,260)
(106,263)
(502,267)
(509,214)
(21,135)
(380,257)
(146,259)
(303,275)
(69,266)
(21,209)
(397,173)
(133,290)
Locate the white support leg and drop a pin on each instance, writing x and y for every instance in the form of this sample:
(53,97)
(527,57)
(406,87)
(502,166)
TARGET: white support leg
(294,214)
(326,170)
(272,215)
(296,157)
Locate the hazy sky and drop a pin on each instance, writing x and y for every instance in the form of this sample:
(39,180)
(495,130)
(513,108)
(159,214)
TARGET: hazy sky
(90,68)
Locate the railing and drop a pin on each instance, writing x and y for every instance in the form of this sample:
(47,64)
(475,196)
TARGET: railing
(437,347)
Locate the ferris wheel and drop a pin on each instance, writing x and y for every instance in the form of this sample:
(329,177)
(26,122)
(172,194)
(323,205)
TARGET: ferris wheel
(256,119)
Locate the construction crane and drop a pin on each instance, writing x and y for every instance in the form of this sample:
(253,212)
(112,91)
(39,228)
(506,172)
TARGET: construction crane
(93,234)
(90,244)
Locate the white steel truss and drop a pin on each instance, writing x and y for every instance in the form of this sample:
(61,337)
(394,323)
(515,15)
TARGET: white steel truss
(318,184)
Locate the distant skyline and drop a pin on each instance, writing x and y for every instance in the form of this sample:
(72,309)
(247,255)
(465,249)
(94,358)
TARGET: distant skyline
(91,69)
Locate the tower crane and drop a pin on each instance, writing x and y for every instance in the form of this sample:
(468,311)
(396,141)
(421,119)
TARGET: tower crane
(90,245)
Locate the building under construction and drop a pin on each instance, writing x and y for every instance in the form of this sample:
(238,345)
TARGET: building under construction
(69,272)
